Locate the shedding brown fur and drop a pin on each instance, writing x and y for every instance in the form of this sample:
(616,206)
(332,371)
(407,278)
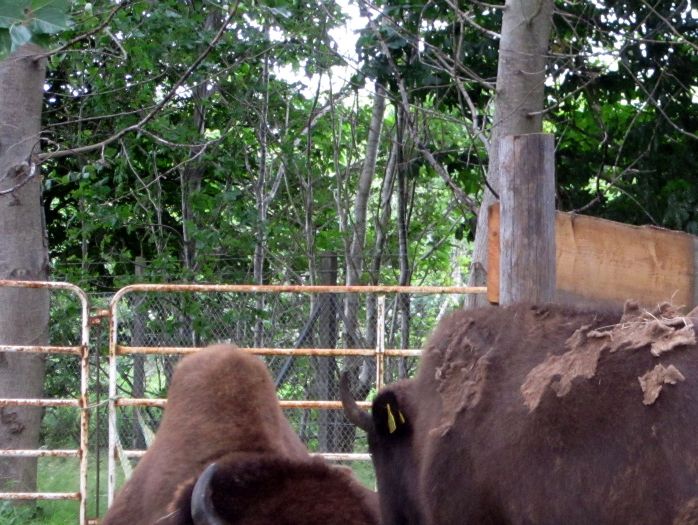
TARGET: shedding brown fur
(535,415)
(222,408)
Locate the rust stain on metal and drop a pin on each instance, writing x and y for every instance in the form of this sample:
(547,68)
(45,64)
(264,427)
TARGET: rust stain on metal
(317,352)
(288,404)
(98,316)
(40,402)
(40,495)
(68,350)
(39,453)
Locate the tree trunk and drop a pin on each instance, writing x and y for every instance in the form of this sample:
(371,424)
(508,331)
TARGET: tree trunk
(24,312)
(261,203)
(402,226)
(526,26)
(355,259)
(382,221)
(138,339)
(191,177)
(193,172)
(356,255)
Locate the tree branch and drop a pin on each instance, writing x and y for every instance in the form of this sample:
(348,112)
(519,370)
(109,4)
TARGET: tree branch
(84,36)
(422,148)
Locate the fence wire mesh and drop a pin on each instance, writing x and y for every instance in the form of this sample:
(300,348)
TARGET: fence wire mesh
(286,320)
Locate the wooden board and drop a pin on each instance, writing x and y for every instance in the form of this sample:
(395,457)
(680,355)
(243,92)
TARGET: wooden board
(493,253)
(607,261)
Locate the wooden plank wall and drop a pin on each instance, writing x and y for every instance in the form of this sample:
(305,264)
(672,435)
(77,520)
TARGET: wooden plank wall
(605,261)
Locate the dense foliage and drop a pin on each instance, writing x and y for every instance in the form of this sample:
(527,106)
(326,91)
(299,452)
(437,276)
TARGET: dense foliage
(237,170)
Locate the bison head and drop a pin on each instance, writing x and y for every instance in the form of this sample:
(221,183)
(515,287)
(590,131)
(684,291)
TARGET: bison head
(391,441)
(265,490)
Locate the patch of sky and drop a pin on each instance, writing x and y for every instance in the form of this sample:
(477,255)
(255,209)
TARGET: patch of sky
(344,38)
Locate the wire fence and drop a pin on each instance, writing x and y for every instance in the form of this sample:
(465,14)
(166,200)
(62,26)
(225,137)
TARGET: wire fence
(305,335)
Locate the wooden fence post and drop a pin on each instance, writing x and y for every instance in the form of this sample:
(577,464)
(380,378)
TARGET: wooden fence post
(326,379)
(527,234)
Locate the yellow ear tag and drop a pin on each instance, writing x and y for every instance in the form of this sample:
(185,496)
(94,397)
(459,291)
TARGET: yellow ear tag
(392,426)
(402,418)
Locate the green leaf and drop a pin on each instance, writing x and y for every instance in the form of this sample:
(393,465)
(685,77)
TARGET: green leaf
(12,12)
(19,35)
(5,43)
(40,4)
(50,20)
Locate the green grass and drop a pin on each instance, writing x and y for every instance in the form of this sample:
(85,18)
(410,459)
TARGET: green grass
(54,475)
(363,470)
(61,475)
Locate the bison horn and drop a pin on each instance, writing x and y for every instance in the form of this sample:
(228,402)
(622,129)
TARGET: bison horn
(202,510)
(354,414)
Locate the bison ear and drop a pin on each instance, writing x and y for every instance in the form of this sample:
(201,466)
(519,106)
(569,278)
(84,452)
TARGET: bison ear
(388,416)
(203,511)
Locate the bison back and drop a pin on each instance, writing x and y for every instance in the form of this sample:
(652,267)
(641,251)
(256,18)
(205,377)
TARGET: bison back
(555,415)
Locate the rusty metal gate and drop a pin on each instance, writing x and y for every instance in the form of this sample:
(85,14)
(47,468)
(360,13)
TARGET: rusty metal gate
(377,352)
(125,349)
(80,352)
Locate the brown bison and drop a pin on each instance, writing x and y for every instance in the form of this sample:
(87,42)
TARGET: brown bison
(223,420)
(542,415)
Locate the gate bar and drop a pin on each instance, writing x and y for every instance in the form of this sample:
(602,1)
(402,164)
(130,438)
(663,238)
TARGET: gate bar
(39,453)
(285,403)
(69,350)
(305,289)
(41,495)
(380,341)
(53,402)
(318,352)
(331,456)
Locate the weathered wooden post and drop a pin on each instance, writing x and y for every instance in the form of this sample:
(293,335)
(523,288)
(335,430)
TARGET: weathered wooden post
(138,339)
(527,231)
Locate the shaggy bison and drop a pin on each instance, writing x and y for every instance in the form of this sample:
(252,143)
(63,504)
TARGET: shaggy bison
(542,415)
(225,454)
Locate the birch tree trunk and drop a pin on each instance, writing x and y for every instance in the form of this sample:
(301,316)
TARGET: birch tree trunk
(525,34)
(355,259)
(261,203)
(23,256)
(402,227)
(356,255)
(382,221)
